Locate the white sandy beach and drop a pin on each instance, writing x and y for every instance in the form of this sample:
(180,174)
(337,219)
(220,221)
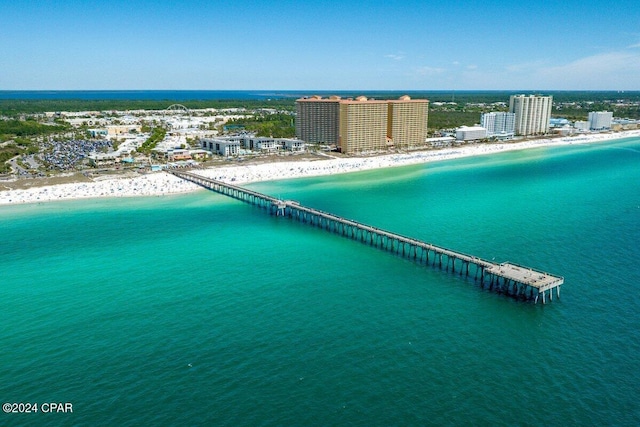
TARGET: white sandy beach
(163,183)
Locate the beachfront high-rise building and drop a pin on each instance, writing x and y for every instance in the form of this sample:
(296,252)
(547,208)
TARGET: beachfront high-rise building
(363,124)
(317,119)
(532,113)
(407,123)
(600,120)
(499,123)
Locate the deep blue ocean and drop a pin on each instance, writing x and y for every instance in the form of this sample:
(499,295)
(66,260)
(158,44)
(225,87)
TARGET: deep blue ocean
(155,95)
(201,310)
(205,95)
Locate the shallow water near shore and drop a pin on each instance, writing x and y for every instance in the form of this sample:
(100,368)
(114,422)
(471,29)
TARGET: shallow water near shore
(198,309)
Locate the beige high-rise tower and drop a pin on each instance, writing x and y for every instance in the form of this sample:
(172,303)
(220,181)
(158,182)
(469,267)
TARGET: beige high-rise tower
(408,122)
(363,125)
(317,119)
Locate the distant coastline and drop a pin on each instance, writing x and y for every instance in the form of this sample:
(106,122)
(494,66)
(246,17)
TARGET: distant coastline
(212,95)
(141,95)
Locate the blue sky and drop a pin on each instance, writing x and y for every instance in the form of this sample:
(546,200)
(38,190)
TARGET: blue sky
(328,45)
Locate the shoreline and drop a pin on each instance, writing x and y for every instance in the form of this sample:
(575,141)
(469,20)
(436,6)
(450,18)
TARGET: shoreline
(163,183)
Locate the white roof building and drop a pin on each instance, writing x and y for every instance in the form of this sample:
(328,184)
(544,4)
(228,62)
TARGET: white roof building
(470,133)
(581,125)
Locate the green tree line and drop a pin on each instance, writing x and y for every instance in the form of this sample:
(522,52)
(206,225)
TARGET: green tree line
(15,107)
(157,135)
(25,128)
(279,125)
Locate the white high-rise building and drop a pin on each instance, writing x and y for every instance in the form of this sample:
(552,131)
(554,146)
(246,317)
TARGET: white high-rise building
(532,113)
(499,123)
(600,120)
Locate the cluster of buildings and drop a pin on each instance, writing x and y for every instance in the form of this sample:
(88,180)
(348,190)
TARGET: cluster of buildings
(530,115)
(368,125)
(350,125)
(527,115)
(123,130)
(175,118)
(241,144)
(361,124)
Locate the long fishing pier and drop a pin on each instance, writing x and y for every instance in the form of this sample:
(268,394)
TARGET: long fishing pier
(508,278)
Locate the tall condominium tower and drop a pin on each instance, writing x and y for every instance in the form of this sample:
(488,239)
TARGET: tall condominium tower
(498,123)
(407,123)
(361,124)
(532,113)
(317,119)
(600,120)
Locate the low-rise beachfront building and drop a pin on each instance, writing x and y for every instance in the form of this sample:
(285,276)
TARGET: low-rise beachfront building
(221,147)
(294,145)
(440,141)
(565,130)
(103,159)
(273,144)
(581,125)
(625,124)
(558,122)
(178,154)
(199,154)
(268,145)
(470,133)
(259,143)
(172,148)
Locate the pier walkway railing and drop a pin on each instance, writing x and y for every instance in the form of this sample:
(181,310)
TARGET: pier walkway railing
(508,278)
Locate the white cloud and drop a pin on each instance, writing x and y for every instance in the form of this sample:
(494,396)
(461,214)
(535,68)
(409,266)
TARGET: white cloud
(616,70)
(634,46)
(395,57)
(611,70)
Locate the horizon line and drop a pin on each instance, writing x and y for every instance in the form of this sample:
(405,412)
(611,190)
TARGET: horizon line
(320,90)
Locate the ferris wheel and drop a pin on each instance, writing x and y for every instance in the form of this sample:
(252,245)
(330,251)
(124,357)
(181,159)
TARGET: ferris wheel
(176,110)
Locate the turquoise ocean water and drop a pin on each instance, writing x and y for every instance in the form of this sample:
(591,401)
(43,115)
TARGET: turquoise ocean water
(201,310)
